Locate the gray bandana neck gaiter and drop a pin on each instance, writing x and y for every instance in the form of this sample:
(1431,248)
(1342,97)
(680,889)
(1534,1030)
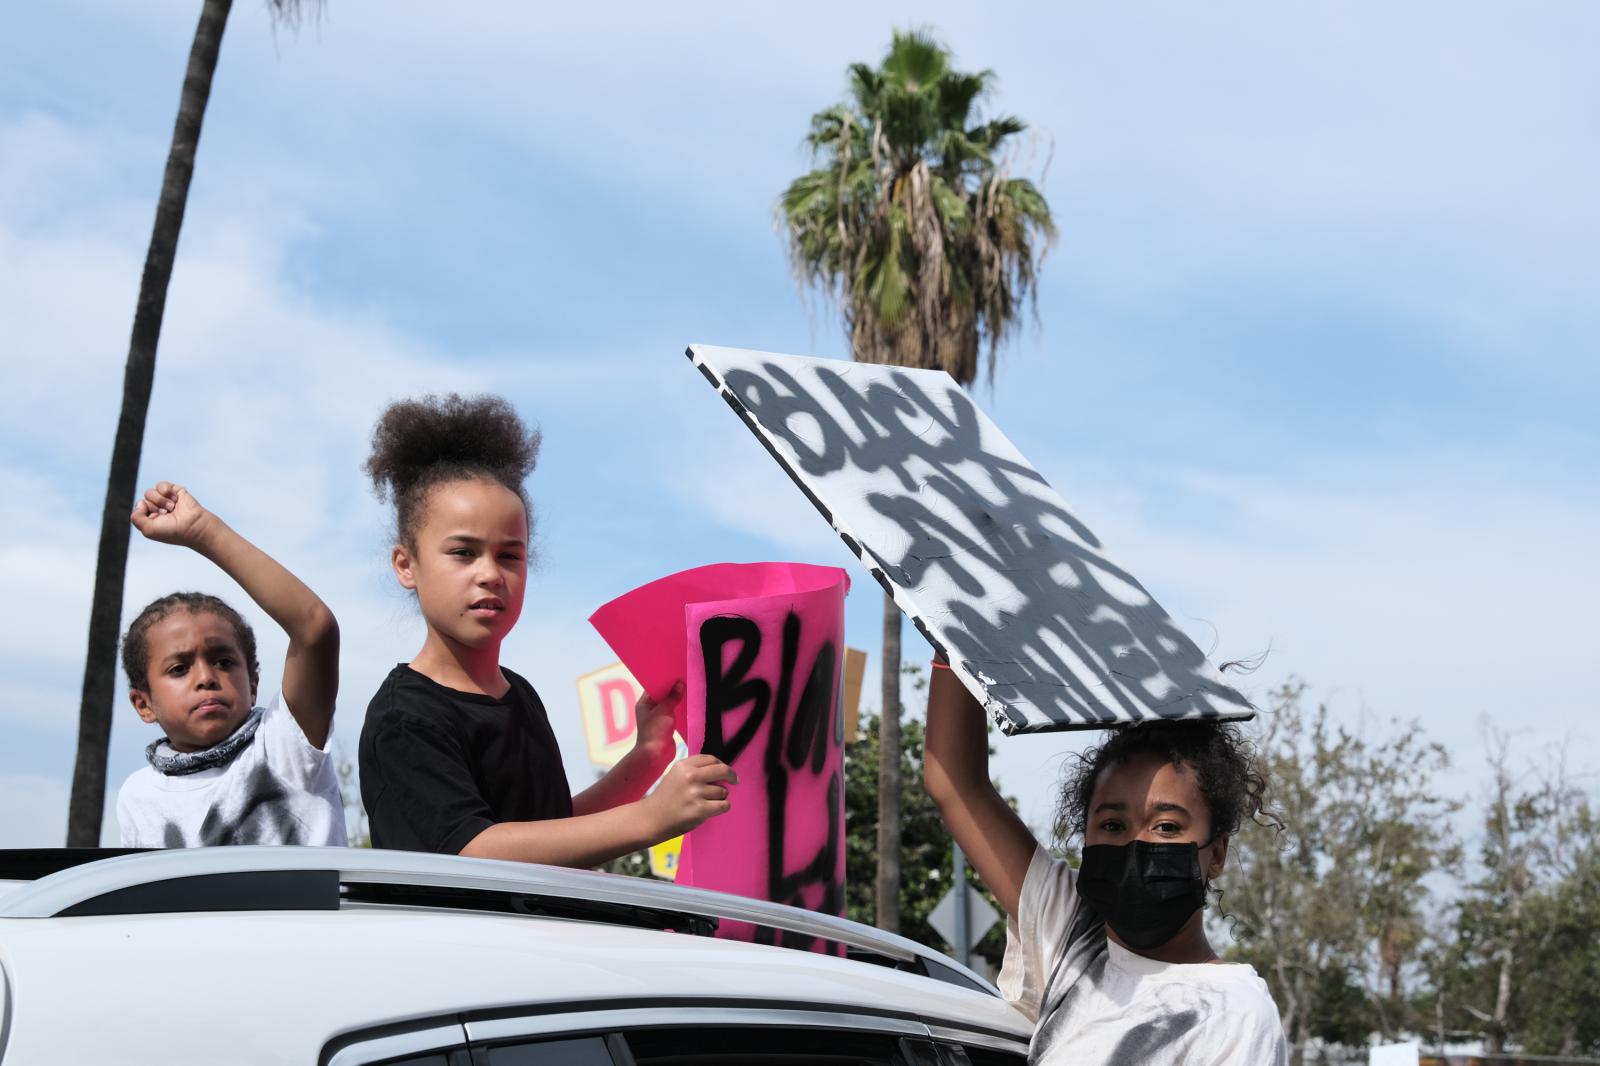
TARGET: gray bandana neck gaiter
(173,763)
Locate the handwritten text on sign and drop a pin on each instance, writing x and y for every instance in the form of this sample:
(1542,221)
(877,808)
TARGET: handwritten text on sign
(1040,624)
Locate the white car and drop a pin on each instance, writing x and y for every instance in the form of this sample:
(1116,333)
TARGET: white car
(338,957)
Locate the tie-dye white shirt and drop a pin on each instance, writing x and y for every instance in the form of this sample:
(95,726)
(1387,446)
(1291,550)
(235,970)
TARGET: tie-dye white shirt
(279,789)
(1098,1004)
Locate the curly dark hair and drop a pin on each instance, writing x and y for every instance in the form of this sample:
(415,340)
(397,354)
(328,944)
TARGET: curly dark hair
(136,642)
(1222,758)
(418,444)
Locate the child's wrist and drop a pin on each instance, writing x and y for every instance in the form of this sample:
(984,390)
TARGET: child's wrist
(656,751)
(207,533)
(653,821)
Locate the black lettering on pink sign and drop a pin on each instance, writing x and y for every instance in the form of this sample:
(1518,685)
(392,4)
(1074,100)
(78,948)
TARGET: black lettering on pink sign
(797,723)
(758,647)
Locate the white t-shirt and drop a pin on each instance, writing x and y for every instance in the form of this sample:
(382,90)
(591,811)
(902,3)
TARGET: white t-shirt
(1098,1004)
(279,789)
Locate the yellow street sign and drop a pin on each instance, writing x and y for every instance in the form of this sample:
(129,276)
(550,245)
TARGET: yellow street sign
(664,858)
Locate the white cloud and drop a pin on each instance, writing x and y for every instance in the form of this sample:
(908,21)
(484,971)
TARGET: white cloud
(1429,164)
(1438,586)
(750,494)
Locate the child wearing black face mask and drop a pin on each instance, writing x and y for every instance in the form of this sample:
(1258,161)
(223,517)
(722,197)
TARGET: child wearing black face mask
(1111,960)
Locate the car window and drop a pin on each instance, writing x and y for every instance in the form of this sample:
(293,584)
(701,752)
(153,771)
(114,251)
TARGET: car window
(961,1055)
(764,1046)
(572,1051)
(455,1057)
(715,1046)
(390,1046)
(666,1040)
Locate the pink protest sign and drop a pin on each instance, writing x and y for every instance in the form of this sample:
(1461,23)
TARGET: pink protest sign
(759,648)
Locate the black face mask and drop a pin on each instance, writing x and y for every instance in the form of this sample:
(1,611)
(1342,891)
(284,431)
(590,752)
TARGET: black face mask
(1144,891)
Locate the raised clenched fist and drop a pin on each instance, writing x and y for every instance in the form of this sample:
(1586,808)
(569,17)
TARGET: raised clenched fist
(168,514)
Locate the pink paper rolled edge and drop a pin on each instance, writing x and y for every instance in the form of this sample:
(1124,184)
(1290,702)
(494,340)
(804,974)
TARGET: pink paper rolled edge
(646,628)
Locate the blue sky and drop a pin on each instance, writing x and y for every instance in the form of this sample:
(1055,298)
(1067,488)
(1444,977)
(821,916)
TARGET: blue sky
(1315,352)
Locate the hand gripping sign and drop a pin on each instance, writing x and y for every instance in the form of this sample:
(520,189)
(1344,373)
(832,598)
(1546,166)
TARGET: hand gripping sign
(606,699)
(759,648)
(1044,628)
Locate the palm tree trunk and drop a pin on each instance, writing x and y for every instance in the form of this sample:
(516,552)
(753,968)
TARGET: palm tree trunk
(111,563)
(888,886)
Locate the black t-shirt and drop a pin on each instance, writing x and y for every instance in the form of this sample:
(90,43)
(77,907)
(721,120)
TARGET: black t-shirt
(439,766)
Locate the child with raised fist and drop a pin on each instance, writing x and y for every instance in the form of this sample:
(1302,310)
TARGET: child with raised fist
(228,770)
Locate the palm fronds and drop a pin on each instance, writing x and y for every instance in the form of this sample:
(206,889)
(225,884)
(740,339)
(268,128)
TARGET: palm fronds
(291,12)
(910,219)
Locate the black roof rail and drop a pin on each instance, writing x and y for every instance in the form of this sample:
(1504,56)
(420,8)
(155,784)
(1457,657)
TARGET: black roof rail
(30,864)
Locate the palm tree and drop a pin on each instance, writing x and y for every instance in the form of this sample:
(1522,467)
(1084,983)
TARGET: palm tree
(913,224)
(111,563)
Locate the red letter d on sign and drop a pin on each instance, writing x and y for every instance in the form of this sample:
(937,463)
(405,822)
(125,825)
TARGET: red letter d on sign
(617,698)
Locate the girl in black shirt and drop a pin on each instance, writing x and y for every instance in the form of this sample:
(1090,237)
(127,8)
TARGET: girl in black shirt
(457,755)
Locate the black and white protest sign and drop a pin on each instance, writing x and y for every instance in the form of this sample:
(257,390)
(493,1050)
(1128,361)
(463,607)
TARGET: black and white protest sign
(975,547)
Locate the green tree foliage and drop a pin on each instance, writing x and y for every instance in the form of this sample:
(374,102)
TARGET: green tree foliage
(1341,917)
(1332,912)
(925,850)
(1561,1011)
(912,219)
(633,864)
(1340,1013)
(1522,964)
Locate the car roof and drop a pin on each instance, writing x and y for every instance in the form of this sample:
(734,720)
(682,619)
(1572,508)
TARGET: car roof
(408,937)
(300,878)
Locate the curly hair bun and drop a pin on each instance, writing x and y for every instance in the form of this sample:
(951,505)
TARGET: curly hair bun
(423,442)
(479,433)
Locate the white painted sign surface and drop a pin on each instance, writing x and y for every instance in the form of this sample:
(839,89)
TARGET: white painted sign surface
(975,547)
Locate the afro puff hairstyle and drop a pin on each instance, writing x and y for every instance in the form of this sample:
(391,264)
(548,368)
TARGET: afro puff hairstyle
(418,444)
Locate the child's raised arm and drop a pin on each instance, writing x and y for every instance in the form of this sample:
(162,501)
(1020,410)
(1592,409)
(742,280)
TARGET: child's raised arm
(168,514)
(956,775)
